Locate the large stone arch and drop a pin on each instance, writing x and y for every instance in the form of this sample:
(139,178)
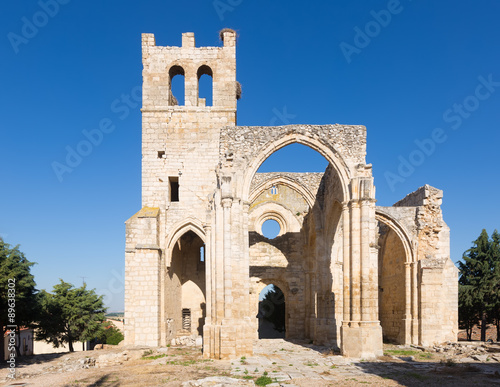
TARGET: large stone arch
(327,151)
(398,292)
(246,148)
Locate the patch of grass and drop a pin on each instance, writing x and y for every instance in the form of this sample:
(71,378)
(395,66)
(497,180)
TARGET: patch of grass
(274,362)
(309,364)
(183,362)
(147,353)
(263,381)
(448,362)
(425,355)
(401,352)
(154,357)
(333,367)
(417,376)
(247,377)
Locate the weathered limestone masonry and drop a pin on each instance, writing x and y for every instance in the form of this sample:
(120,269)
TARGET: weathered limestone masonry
(196,260)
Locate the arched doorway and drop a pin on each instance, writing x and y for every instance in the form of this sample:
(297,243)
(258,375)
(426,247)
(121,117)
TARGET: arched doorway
(185,298)
(272,313)
(396,282)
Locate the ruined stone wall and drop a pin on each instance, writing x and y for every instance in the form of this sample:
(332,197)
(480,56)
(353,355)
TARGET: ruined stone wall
(142,278)
(431,278)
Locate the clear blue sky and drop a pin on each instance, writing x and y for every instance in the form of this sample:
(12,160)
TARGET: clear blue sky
(298,62)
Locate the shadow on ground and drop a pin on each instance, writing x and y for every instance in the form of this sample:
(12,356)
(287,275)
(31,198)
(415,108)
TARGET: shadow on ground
(412,373)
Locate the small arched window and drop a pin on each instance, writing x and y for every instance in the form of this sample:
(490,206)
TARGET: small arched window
(205,86)
(177,86)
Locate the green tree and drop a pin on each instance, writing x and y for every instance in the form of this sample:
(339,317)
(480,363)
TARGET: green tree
(467,310)
(15,275)
(70,314)
(273,308)
(495,303)
(477,283)
(109,334)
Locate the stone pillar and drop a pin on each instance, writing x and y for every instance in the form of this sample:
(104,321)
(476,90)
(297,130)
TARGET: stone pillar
(361,333)
(226,208)
(355,262)
(414,304)
(229,335)
(408,316)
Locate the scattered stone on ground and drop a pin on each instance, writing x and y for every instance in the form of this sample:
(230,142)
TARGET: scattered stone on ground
(278,361)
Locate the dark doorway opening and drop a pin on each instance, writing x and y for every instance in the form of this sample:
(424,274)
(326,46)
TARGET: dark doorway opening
(271,313)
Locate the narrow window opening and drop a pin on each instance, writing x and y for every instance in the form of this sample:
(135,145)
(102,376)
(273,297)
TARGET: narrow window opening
(186,319)
(202,254)
(274,190)
(177,86)
(205,86)
(174,188)
(161,154)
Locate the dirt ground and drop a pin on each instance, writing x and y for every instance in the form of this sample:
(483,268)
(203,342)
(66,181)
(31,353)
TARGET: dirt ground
(279,361)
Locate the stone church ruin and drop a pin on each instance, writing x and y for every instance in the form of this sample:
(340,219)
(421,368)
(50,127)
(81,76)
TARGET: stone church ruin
(352,273)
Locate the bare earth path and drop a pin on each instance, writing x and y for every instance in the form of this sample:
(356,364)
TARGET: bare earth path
(284,362)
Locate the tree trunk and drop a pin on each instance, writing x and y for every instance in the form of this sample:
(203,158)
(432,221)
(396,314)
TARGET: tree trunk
(70,345)
(2,353)
(483,326)
(468,330)
(498,329)
(18,342)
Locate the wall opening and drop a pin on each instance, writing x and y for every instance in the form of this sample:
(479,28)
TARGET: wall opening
(202,254)
(308,190)
(294,158)
(186,319)
(205,86)
(392,300)
(177,86)
(271,313)
(185,302)
(174,188)
(271,228)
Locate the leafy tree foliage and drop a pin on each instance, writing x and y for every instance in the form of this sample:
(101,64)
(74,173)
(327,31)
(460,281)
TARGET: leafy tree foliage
(479,284)
(109,334)
(273,308)
(70,314)
(15,271)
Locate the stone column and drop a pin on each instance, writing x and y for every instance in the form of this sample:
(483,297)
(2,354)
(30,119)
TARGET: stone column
(414,303)
(230,334)
(226,208)
(361,333)
(355,262)
(408,316)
